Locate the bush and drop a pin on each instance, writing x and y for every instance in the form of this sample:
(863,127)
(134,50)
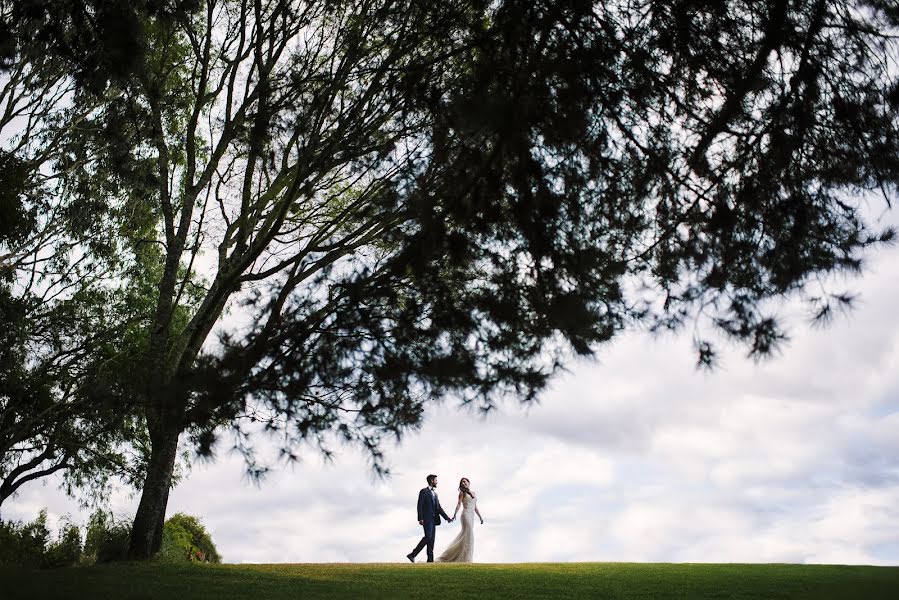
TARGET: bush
(66,550)
(30,546)
(107,538)
(185,538)
(10,540)
(33,539)
(177,543)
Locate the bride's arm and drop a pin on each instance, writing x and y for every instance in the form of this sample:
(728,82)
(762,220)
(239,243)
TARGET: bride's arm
(458,504)
(479,514)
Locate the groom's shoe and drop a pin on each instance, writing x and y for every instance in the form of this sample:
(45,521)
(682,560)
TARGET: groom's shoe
(411,558)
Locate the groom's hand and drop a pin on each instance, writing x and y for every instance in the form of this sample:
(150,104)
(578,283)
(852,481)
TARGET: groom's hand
(421,522)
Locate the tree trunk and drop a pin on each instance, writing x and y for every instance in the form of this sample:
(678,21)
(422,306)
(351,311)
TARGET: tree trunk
(146,532)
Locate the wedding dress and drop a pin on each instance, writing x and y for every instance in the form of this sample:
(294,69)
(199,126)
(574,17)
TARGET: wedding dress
(461,549)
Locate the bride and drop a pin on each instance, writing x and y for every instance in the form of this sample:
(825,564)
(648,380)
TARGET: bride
(461,549)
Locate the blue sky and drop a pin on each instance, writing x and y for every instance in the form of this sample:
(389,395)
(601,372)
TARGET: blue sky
(636,456)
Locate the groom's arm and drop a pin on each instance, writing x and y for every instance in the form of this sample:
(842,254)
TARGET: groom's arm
(421,506)
(440,510)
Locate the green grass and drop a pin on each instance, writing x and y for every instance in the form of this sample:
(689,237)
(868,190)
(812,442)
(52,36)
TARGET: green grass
(554,581)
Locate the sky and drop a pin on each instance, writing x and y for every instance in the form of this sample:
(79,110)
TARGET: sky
(633,456)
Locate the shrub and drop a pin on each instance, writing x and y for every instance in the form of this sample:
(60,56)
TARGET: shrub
(107,538)
(30,546)
(66,550)
(185,538)
(177,543)
(33,538)
(10,542)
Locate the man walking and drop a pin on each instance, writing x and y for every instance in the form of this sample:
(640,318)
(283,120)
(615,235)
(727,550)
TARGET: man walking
(429,513)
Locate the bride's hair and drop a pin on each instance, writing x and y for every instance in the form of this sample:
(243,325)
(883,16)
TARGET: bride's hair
(464,488)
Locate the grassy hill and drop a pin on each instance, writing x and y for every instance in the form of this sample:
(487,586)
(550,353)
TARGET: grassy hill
(554,581)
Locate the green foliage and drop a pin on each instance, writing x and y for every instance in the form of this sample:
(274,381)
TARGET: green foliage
(101,42)
(107,537)
(30,544)
(34,537)
(24,544)
(73,324)
(15,221)
(8,543)
(177,543)
(66,550)
(55,415)
(183,537)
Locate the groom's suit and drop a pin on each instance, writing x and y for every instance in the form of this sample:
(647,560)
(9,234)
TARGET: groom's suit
(429,513)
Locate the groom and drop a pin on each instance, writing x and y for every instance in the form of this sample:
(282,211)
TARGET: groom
(429,512)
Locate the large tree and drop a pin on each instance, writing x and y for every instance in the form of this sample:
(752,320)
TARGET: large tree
(404,201)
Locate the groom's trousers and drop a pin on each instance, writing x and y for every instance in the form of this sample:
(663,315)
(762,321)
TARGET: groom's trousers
(428,540)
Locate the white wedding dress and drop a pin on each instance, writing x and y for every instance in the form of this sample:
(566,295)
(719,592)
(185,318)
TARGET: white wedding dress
(461,549)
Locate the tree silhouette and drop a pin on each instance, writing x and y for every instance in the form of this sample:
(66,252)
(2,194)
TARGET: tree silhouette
(402,202)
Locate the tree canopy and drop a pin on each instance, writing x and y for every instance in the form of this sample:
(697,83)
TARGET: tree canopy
(63,316)
(402,202)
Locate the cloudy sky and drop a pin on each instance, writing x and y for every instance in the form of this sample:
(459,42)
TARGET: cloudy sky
(633,457)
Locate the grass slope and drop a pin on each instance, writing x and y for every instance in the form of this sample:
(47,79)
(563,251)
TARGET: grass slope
(129,581)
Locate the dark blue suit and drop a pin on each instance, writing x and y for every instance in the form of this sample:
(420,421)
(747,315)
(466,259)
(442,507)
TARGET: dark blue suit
(429,512)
